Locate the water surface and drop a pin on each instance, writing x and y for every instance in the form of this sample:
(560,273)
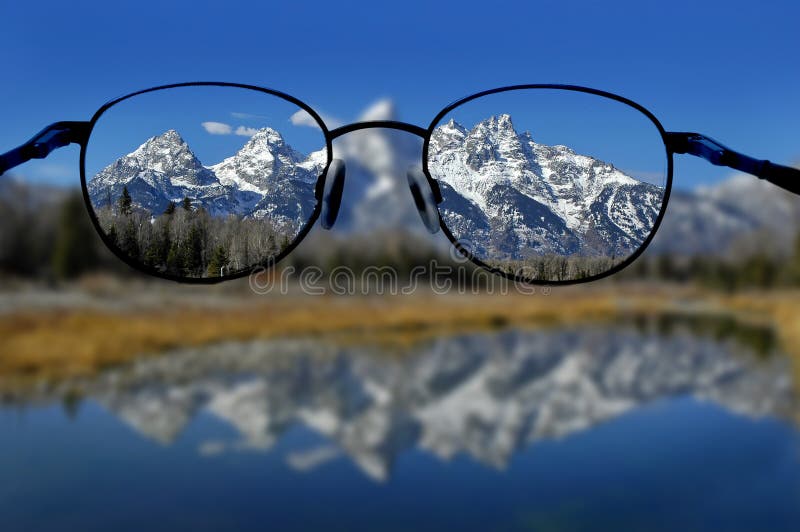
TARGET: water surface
(658,427)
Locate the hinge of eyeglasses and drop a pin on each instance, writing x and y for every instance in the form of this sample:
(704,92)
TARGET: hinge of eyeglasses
(55,136)
(50,138)
(709,149)
(714,152)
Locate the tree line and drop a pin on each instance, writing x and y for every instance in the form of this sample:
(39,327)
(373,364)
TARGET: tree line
(553,267)
(188,241)
(758,269)
(50,236)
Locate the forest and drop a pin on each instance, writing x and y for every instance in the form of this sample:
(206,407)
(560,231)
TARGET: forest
(187,241)
(557,267)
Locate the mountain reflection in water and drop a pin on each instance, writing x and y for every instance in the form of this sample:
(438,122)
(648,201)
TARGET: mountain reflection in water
(487,395)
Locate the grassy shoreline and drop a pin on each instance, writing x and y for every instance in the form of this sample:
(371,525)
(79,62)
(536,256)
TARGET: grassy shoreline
(47,344)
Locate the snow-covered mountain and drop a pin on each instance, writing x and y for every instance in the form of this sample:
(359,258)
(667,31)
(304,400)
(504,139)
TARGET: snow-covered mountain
(267,177)
(733,218)
(558,200)
(510,197)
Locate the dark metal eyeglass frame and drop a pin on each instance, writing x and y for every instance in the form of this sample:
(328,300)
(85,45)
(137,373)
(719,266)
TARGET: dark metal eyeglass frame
(61,134)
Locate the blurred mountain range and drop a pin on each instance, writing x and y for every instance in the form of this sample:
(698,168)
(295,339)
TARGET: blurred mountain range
(737,216)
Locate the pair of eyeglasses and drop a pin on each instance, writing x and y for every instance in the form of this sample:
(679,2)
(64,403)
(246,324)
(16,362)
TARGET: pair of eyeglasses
(544,184)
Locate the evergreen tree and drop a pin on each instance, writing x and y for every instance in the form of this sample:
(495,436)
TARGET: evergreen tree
(130,243)
(166,241)
(125,202)
(113,236)
(152,255)
(174,260)
(158,249)
(219,260)
(186,204)
(170,208)
(192,251)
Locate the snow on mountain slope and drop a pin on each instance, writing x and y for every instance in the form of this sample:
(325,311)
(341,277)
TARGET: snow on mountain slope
(266,177)
(536,199)
(558,201)
(262,160)
(734,217)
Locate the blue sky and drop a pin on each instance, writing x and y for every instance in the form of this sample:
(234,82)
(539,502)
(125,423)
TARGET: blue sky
(214,121)
(727,69)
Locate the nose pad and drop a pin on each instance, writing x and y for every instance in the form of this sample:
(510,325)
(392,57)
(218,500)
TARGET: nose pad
(332,195)
(423,199)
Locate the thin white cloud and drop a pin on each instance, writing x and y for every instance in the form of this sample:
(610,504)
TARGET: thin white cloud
(221,128)
(302,118)
(382,109)
(248,116)
(217,128)
(243,131)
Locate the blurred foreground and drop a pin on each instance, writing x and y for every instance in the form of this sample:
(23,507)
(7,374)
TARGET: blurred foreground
(657,423)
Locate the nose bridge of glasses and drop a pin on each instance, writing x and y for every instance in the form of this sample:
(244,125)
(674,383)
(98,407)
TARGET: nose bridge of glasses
(423,199)
(385,124)
(425,192)
(332,193)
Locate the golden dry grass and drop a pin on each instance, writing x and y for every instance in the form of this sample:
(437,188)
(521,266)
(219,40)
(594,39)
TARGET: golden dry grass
(68,343)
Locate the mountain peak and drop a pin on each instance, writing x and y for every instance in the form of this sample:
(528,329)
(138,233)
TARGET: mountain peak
(266,140)
(504,119)
(268,143)
(268,134)
(263,161)
(171,134)
(162,162)
(497,124)
(158,146)
(491,140)
(453,127)
(166,145)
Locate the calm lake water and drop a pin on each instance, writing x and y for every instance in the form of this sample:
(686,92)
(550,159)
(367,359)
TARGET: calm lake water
(665,426)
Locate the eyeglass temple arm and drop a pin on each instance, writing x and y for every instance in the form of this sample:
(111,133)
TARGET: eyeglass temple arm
(712,151)
(50,138)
